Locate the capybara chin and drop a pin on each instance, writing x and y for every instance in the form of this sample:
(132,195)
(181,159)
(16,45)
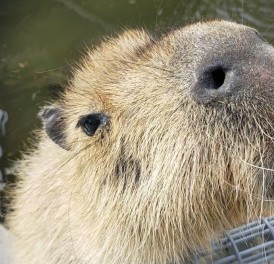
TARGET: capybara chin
(159,143)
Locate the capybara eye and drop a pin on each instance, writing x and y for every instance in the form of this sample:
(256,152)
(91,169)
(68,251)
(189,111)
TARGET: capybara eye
(92,122)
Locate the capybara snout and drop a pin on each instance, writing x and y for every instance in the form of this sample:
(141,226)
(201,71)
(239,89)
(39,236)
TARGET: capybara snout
(231,65)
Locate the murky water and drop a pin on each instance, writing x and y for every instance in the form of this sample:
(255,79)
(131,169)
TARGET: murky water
(41,39)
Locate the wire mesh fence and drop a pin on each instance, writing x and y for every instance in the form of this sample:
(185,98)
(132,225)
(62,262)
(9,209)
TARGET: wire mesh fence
(252,243)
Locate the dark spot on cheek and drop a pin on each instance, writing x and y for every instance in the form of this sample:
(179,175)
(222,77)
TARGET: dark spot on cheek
(127,168)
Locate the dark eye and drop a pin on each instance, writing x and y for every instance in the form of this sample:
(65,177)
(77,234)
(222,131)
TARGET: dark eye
(92,122)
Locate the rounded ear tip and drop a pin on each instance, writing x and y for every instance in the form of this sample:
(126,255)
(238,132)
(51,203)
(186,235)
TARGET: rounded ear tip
(41,113)
(47,112)
(54,124)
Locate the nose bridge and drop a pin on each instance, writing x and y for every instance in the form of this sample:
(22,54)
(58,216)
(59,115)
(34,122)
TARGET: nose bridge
(258,71)
(261,80)
(234,70)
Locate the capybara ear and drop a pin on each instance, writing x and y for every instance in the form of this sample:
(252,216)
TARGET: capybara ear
(54,124)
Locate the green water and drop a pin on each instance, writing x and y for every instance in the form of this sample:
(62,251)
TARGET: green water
(39,40)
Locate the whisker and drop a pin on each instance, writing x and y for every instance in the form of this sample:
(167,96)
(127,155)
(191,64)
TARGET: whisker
(257,167)
(55,69)
(244,191)
(59,166)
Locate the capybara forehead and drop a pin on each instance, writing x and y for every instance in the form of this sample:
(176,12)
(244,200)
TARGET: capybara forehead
(186,65)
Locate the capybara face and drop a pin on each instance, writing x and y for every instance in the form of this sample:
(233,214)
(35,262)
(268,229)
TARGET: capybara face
(164,141)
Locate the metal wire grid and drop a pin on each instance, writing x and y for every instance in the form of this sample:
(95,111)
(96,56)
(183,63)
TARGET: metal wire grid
(249,244)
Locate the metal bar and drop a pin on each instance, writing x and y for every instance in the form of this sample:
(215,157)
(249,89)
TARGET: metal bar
(260,255)
(250,250)
(252,243)
(235,248)
(269,226)
(266,261)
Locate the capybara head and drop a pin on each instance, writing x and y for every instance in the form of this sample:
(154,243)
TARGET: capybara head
(165,140)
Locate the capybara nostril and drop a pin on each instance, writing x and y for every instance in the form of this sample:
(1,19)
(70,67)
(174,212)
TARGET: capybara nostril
(214,83)
(215,78)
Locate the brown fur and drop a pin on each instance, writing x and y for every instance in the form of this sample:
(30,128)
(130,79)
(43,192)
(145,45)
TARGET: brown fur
(167,173)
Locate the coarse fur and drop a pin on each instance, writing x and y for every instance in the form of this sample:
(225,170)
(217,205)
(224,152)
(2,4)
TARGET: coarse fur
(165,173)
